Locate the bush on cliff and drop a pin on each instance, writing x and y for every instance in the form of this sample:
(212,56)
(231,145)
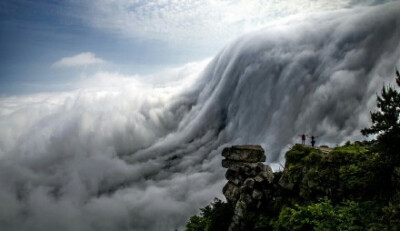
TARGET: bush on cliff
(348,172)
(213,217)
(324,215)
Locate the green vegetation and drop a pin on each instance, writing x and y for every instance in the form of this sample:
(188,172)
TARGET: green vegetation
(341,190)
(213,217)
(353,187)
(324,215)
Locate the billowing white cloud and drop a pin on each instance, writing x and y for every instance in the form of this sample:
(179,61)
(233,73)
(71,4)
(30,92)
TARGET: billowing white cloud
(81,59)
(124,154)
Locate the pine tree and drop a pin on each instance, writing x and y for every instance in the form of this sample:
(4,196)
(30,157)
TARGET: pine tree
(386,123)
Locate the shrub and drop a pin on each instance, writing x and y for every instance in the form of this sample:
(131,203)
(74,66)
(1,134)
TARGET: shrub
(325,216)
(214,217)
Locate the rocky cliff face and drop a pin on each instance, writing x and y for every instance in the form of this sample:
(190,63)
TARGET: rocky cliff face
(248,181)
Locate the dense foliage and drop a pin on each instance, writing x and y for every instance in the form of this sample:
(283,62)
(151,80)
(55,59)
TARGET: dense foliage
(346,189)
(213,217)
(349,215)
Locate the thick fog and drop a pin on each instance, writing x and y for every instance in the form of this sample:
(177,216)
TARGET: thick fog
(143,152)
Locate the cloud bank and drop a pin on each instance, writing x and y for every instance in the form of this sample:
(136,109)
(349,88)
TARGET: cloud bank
(81,59)
(122,154)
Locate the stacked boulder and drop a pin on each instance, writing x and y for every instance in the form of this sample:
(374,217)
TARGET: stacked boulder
(247,177)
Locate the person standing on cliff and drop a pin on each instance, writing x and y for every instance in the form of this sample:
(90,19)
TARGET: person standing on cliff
(312,141)
(303,139)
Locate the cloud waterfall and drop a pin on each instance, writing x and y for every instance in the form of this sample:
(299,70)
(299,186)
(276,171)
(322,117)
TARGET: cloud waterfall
(121,154)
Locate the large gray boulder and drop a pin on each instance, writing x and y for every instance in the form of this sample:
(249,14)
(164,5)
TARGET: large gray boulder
(245,153)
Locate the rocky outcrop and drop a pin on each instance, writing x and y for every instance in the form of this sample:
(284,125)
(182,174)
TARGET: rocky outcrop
(247,180)
(245,153)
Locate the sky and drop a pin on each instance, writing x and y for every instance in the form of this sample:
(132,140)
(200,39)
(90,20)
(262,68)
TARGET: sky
(113,114)
(127,36)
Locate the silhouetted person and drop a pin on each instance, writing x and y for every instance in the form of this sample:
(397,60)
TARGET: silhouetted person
(312,141)
(303,139)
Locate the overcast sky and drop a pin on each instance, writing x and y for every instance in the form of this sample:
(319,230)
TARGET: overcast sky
(45,45)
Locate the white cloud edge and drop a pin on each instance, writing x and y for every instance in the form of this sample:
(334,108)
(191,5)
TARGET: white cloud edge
(78,60)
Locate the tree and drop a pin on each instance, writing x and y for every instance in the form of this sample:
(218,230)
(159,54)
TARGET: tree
(386,123)
(214,217)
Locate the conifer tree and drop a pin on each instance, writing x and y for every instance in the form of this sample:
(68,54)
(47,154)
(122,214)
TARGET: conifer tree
(386,122)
